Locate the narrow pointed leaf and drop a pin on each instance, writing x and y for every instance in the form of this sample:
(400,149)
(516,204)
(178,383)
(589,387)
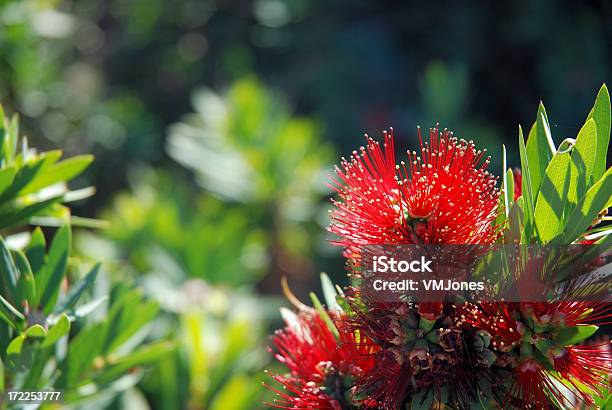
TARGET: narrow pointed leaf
(61,171)
(574,334)
(9,275)
(324,315)
(148,354)
(583,162)
(601,115)
(527,192)
(48,283)
(35,251)
(27,284)
(540,149)
(551,200)
(589,206)
(6,177)
(9,309)
(76,291)
(329,293)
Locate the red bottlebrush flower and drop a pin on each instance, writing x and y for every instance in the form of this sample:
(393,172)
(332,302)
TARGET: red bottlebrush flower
(585,367)
(323,367)
(503,320)
(570,313)
(497,318)
(421,348)
(530,387)
(441,195)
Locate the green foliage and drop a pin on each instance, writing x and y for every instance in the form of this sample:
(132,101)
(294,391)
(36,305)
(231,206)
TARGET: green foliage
(54,334)
(263,163)
(218,357)
(554,191)
(563,192)
(198,236)
(34,184)
(540,149)
(226,233)
(246,147)
(43,306)
(601,115)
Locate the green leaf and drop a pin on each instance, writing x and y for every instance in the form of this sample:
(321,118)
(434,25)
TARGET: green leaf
(20,355)
(128,315)
(27,285)
(574,334)
(35,331)
(6,318)
(589,206)
(76,291)
(540,149)
(49,281)
(601,115)
(6,177)
(504,200)
(527,192)
(549,207)
(426,325)
(513,234)
(82,351)
(57,331)
(238,393)
(543,345)
(583,162)
(9,275)
(324,315)
(8,309)
(29,171)
(329,293)
(83,310)
(144,355)
(13,131)
(19,215)
(16,345)
(509,187)
(62,171)
(35,251)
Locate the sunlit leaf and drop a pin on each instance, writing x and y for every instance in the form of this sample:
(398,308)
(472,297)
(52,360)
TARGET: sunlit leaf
(589,207)
(57,331)
(549,207)
(601,115)
(540,148)
(574,334)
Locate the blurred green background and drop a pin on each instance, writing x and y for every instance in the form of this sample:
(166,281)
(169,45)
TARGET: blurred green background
(215,125)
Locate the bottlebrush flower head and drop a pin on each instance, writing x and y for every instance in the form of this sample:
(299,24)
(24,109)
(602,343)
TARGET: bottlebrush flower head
(530,353)
(422,348)
(323,366)
(441,194)
(536,340)
(584,369)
